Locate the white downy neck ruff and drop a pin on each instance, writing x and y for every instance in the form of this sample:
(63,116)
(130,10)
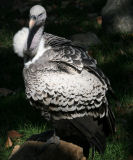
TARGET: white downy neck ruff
(41,50)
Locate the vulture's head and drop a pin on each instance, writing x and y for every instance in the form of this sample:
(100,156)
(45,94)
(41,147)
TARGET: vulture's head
(37,16)
(23,38)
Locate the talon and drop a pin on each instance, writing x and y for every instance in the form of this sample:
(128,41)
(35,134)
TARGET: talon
(54,140)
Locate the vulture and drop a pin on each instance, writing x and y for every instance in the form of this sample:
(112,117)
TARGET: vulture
(65,84)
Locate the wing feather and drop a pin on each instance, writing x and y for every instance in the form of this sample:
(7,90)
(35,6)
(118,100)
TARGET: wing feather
(74,55)
(68,94)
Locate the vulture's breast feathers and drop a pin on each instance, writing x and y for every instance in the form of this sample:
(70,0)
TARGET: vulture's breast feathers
(59,77)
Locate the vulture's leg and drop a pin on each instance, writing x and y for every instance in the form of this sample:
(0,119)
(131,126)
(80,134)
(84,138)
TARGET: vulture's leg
(54,138)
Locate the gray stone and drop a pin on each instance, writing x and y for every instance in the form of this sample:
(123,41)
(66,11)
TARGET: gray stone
(118,16)
(86,39)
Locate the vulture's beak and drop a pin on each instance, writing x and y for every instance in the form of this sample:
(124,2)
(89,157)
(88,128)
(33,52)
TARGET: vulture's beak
(32,22)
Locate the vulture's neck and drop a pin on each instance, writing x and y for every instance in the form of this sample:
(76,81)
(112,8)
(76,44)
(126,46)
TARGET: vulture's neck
(34,38)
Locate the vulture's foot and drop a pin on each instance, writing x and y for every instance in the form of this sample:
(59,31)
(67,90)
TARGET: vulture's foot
(53,140)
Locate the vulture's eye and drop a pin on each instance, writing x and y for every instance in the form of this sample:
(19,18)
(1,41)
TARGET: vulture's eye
(40,14)
(33,17)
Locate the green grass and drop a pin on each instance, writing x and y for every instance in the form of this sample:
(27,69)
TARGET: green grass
(114,56)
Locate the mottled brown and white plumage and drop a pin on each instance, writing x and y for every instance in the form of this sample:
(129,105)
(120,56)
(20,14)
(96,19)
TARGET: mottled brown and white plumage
(65,84)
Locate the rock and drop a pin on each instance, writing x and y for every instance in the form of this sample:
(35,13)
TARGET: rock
(118,16)
(38,150)
(85,39)
(115,5)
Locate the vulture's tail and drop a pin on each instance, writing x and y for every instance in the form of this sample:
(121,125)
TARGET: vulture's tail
(95,131)
(87,132)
